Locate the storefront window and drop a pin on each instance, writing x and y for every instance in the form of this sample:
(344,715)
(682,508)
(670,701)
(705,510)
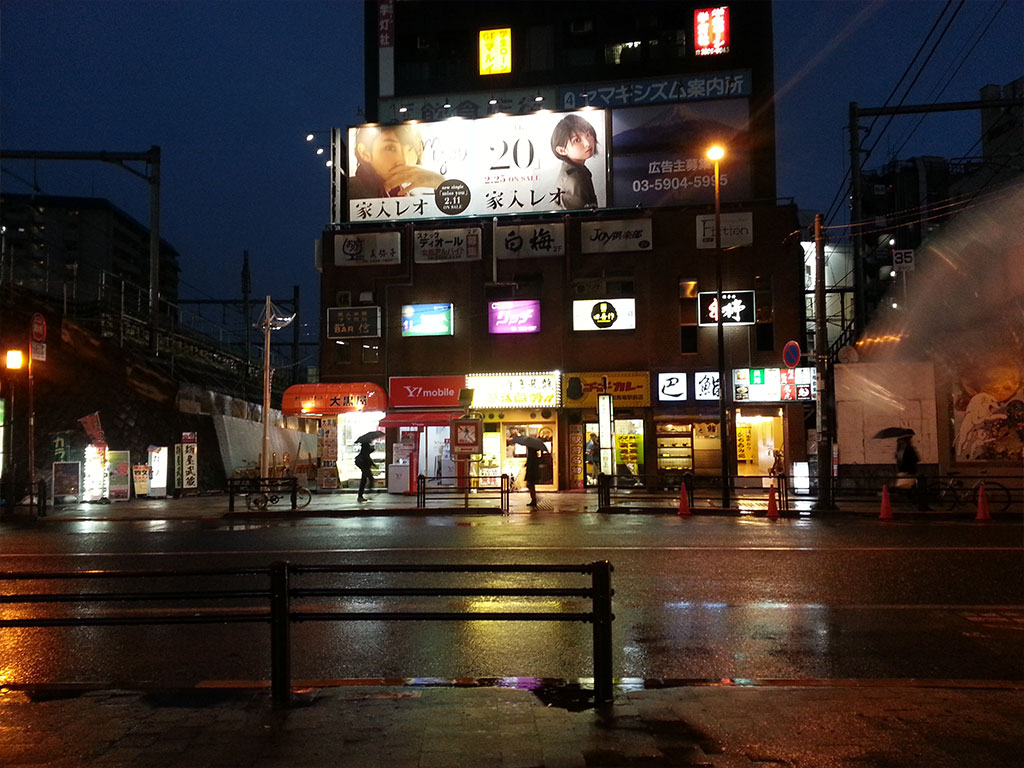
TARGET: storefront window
(350,426)
(629,448)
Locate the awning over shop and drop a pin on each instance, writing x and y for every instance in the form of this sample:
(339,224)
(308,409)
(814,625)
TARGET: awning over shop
(420,418)
(330,399)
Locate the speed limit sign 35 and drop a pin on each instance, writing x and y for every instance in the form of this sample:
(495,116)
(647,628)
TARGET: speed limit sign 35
(903,260)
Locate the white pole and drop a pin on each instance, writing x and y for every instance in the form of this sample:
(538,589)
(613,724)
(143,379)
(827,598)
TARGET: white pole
(265,452)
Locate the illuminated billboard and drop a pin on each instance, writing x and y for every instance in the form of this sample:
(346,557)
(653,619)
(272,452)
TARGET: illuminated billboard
(659,153)
(737,308)
(711,31)
(427,320)
(521,316)
(604,315)
(504,164)
(495,51)
(770,385)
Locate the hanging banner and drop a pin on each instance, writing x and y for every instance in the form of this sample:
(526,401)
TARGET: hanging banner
(119,466)
(179,473)
(190,466)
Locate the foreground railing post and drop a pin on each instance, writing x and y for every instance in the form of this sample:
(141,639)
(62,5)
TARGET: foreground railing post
(421,491)
(280,634)
(601,579)
(506,489)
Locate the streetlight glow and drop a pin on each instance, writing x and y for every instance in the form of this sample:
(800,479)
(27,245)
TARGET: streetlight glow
(716,153)
(15,359)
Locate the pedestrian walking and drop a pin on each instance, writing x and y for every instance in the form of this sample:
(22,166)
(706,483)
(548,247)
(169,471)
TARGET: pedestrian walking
(365,465)
(532,474)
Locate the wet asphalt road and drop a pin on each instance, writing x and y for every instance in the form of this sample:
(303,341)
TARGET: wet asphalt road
(696,599)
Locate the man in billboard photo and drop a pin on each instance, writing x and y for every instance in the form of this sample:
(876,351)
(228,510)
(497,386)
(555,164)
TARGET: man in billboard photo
(574,141)
(388,163)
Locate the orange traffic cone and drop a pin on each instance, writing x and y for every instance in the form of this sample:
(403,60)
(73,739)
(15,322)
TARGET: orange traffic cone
(982,504)
(773,509)
(684,500)
(886,513)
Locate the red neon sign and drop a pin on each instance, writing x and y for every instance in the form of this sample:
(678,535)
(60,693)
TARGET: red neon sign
(711,31)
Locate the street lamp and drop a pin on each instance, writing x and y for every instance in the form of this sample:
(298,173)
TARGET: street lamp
(716,153)
(335,163)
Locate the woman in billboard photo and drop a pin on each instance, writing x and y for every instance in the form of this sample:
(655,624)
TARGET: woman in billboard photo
(388,163)
(574,141)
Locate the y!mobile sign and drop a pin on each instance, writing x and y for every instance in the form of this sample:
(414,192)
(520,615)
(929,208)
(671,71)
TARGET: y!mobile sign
(425,391)
(502,164)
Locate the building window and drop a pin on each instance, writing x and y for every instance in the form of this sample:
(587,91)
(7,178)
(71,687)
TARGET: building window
(371,353)
(620,53)
(688,339)
(342,353)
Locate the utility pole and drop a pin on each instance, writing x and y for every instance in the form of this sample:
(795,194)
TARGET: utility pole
(824,440)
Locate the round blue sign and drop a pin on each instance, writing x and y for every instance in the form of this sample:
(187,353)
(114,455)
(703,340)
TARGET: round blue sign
(791,354)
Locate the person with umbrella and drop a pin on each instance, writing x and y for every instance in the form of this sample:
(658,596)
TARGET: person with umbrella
(531,475)
(365,463)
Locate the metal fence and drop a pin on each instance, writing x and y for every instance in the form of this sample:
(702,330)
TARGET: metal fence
(273,595)
(622,493)
(469,491)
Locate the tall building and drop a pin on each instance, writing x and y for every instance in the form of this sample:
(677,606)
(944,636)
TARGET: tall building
(547,235)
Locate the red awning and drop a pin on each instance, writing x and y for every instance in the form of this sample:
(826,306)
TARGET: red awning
(420,418)
(332,398)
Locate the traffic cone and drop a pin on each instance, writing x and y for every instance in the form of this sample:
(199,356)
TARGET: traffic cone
(886,513)
(773,509)
(983,513)
(684,500)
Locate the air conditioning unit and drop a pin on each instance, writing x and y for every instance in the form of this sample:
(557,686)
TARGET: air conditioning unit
(590,286)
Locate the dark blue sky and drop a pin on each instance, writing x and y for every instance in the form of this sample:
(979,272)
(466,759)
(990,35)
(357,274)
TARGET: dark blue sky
(229,89)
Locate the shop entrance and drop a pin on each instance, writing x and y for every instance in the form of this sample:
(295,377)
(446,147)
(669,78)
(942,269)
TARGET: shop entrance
(501,455)
(628,453)
(759,440)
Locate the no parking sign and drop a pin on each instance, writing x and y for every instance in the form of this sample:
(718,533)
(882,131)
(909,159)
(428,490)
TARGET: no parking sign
(791,354)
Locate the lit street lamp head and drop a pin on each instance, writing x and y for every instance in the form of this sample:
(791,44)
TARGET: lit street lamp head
(716,152)
(15,359)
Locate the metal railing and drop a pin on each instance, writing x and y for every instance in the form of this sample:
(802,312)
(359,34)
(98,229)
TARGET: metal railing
(471,491)
(280,596)
(663,491)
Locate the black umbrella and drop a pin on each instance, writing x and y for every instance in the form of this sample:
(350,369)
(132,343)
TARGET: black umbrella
(889,432)
(369,437)
(533,443)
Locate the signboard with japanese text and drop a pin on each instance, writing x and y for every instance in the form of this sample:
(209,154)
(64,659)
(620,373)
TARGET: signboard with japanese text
(515,390)
(158,460)
(503,164)
(140,479)
(530,241)
(437,245)
(496,51)
(604,315)
(705,385)
(179,471)
(425,391)
(737,230)
(737,308)
(774,385)
(671,387)
(659,90)
(190,466)
(119,484)
(367,250)
(659,153)
(518,316)
(711,31)
(427,320)
(628,388)
(353,322)
(616,236)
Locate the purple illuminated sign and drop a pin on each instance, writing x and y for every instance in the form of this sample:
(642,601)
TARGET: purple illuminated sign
(514,316)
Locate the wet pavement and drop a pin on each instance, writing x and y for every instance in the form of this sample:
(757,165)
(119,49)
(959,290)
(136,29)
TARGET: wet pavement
(344,503)
(722,725)
(506,723)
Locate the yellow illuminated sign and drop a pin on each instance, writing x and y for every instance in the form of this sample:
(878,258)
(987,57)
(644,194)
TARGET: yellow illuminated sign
(495,51)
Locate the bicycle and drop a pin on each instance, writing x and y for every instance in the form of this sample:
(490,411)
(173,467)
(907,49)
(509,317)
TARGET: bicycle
(260,500)
(954,493)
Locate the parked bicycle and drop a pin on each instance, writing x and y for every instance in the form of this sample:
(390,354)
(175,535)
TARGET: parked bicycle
(954,491)
(260,500)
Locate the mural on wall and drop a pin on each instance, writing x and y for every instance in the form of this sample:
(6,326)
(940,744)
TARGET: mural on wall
(988,412)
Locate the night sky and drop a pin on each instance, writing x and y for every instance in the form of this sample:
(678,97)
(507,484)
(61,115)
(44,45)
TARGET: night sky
(229,90)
